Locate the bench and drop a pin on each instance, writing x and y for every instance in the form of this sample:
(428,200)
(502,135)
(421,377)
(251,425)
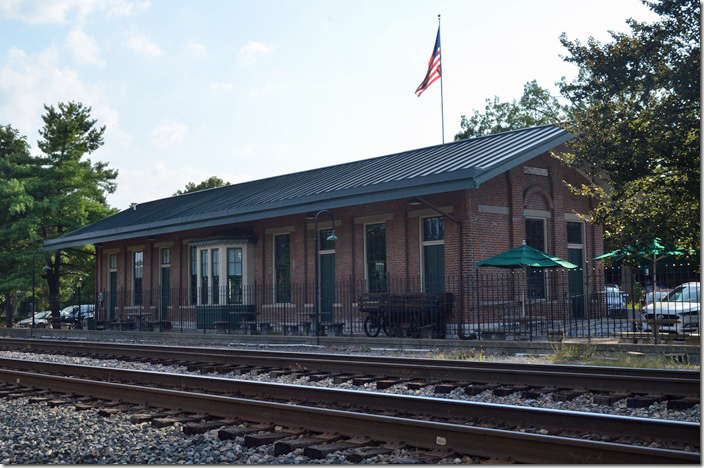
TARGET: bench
(406,314)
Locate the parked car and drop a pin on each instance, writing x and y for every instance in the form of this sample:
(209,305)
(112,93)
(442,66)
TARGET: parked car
(41,320)
(678,312)
(616,300)
(72,313)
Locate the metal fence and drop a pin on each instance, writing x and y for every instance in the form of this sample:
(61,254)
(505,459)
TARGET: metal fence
(482,304)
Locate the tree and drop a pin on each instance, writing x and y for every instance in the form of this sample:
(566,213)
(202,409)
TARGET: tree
(15,204)
(212,182)
(69,191)
(636,114)
(536,107)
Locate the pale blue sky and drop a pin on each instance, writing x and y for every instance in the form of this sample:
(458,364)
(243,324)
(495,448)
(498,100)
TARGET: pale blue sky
(250,89)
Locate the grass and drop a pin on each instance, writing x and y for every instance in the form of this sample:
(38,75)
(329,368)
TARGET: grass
(587,355)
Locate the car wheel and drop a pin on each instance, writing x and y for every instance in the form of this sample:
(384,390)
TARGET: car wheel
(41,325)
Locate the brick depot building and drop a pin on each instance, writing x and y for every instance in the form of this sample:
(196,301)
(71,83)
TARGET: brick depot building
(417,220)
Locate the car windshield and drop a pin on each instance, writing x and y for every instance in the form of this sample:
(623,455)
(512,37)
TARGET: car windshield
(684,294)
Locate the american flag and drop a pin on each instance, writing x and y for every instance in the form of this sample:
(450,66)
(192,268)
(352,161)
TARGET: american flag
(433,67)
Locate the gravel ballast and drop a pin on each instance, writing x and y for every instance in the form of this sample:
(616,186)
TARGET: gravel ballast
(38,434)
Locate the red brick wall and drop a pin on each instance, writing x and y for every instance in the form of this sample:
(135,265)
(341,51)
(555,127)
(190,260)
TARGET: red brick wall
(485,234)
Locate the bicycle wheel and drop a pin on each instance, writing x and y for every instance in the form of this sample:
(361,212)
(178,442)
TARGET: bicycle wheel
(372,325)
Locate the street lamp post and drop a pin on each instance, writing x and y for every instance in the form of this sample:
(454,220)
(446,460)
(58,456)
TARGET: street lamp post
(331,237)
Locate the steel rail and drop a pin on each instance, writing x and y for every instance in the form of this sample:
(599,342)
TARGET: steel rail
(676,431)
(523,447)
(680,386)
(219,352)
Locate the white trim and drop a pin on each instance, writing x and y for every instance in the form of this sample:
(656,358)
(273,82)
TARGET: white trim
(247,269)
(373,219)
(323,225)
(429,212)
(573,217)
(133,248)
(279,230)
(424,243)
(112,251)
(493,209)
(544,214)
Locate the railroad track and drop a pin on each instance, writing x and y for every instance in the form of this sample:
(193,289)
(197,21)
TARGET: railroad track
(363,423)
(568,382)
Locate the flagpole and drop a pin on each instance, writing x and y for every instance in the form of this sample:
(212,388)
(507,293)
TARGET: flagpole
(442,109)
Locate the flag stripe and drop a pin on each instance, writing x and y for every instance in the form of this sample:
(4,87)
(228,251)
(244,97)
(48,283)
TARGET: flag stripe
(434,70)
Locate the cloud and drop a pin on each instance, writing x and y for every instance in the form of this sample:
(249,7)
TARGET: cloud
(28,81)
(250,52)
(164,180)
(83,48)
(125,8)
(168,133)
(221,87)
(142,44)
(45,11)
(267,89)
(196,49)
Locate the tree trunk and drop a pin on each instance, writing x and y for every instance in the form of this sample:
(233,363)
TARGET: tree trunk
(9,312)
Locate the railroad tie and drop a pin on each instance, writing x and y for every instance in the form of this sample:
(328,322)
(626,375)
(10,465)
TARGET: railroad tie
(318,377)
(344,378)
(279,373)
(288,445)
(510,389)
(682,403)
(643,401)
(609,399)
(474,389)
(445,388)
(386,383)
(567,395)
(257,440)
(230,433)
(203,427)
(317,452)
(418,385)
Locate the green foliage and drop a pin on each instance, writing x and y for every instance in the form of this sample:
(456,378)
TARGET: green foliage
(536,107)
(212,182)
(47,196)
(636,111)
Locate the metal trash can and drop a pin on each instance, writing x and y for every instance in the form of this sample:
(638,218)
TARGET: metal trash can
(89,324)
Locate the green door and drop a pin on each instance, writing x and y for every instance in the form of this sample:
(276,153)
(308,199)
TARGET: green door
(112,295)
(165,292)
(576,283)
(434,268)
(327,286)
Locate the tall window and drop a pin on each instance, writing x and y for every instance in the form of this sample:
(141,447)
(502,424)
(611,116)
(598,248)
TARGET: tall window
(215,262)
(203,276)
(234,275)
(535,237)
(194,275)
(433,243)
(282,268)
(375,239)
(138,273)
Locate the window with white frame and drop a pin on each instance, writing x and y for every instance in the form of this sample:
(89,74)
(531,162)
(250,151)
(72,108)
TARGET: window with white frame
(433,254)
(137,275)
(222,271)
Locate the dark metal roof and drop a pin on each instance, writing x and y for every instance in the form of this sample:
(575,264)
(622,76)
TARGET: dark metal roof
(435,169)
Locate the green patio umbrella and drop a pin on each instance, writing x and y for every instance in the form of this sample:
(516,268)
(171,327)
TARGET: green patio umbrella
(525,256)
(653,250)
